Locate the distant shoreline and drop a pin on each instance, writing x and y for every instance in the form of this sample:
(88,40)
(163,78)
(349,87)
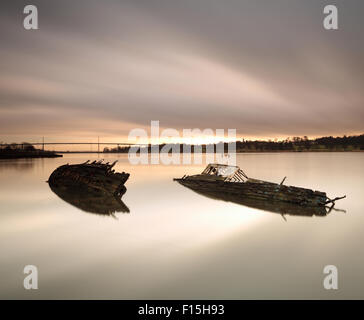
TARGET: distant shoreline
(60,154)
(256,151)
(294,144)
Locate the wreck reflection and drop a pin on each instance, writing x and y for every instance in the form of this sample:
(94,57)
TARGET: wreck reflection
(91,201)
(282,208)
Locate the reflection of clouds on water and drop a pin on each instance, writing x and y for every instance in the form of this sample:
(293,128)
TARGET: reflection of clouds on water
(179,244)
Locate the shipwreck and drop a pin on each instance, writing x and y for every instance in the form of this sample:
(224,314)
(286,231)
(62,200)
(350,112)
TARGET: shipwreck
(230,183)
(93,187)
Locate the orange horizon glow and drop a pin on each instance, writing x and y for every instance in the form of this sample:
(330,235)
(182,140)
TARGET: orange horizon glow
(198,140)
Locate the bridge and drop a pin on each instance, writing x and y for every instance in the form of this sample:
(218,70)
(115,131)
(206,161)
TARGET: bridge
(43,144)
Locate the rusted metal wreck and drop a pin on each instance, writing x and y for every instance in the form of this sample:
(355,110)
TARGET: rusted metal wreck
(230,183)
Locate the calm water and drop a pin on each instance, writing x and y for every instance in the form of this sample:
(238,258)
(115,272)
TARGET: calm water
(175,243)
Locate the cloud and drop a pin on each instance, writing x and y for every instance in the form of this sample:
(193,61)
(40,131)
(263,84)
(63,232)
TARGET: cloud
(267,69)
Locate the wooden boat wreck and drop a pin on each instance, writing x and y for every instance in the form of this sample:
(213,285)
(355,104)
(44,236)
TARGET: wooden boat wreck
(232,184)
(92,187)
(279,207)
(96,176)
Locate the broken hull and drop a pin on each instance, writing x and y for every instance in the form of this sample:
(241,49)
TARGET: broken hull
(259,191)
(95,177)
(279,207)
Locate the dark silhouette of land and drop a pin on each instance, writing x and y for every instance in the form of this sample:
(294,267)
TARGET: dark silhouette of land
(295,144)
(25,150)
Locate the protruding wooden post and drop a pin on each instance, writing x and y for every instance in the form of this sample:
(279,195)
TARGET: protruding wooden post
(283,180)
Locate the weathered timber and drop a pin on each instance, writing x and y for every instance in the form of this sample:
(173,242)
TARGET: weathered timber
(279,207)
(92,187)
(228,181)
(96,176)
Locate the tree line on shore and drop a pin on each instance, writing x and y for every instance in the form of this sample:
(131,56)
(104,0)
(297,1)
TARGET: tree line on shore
(17,147)
(299,144)
(24,150)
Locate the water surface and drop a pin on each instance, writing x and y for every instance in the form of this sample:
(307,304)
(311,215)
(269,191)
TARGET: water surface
(175,243)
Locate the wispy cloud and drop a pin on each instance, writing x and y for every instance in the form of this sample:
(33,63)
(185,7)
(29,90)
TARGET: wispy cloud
(101,67)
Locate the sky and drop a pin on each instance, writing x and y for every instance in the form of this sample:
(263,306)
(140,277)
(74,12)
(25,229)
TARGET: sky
(268,69)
